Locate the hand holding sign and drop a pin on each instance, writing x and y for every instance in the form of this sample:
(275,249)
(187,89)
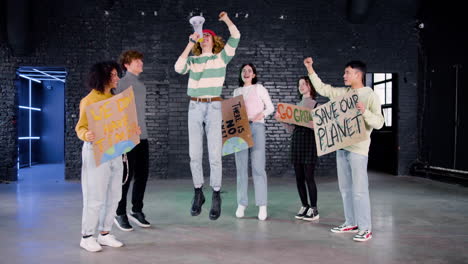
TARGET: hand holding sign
(89,136)
(361,107)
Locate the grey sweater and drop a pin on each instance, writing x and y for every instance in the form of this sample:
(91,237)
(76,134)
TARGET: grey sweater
(139,90)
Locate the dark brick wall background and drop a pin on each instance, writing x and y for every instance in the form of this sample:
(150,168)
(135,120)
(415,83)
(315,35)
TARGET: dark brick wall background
(76,35)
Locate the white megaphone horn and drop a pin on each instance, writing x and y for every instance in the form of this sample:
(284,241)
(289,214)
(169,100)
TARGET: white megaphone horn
(197,23)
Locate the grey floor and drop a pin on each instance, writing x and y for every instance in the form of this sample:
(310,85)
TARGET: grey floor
(414,220)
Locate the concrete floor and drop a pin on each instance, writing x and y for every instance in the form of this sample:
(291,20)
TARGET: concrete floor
(414,220)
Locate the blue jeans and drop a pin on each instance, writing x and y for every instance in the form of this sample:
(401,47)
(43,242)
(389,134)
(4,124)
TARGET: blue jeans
(258,168)
(102,190)
(354,188)
(210,114)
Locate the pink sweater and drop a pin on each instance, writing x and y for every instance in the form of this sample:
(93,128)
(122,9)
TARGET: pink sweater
(257,100)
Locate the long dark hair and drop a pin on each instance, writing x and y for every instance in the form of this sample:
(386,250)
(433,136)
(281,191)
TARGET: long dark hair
(254,80)
(100,75)
(313,92)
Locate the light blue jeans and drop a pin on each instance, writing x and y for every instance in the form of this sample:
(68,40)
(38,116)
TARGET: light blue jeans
(210,114)
(258,168)
(354,188)
(102,191)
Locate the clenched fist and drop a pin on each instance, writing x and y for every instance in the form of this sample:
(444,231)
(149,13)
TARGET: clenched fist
(223,16)
(308,62)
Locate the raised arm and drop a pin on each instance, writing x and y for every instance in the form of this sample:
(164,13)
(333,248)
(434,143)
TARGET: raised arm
(230,48)
(182,66)
(223,16)
(322,88)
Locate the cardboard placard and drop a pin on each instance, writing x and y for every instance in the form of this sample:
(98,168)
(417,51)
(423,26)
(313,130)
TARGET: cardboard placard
(115,126)
(338,124)
(294,114)
(235,126)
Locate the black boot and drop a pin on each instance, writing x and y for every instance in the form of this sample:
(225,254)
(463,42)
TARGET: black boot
(215,211)
(198,201)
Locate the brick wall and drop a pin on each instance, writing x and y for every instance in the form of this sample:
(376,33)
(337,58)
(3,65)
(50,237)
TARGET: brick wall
(76,35)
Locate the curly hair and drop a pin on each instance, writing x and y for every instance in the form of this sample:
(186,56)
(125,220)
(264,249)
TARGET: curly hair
(218,45)
(127,56)
(313,92)
(100,75)
(254,70)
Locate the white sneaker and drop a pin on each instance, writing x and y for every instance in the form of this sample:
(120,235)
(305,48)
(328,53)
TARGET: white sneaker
(302,212)
(312,214)
(90,244)
(240,211)
(109,240)
(363,235)
(345,229)
(262,212)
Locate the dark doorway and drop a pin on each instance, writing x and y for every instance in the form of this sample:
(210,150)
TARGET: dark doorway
(443,145)
(41,119)
(383,152)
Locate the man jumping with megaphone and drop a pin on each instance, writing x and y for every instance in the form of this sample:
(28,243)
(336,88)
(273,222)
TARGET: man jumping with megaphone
(207,71)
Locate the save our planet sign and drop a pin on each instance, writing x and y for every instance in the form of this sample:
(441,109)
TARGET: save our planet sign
(115,126)
(338,124)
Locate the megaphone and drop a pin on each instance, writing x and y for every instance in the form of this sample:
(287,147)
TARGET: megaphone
(197,23)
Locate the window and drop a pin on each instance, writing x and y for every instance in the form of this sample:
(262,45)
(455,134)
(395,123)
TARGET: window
(383,83)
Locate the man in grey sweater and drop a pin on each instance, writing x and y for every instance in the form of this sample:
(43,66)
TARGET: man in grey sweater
(138,160)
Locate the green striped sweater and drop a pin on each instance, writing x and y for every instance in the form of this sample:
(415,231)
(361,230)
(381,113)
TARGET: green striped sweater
(208,71)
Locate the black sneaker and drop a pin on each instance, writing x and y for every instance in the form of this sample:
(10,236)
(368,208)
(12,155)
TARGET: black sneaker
(121,221)
(312,214)
(302,212)
(215,211)
(139,219)
(198,201)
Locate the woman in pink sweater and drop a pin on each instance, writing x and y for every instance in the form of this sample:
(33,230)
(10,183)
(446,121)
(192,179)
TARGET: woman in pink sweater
(258,105)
